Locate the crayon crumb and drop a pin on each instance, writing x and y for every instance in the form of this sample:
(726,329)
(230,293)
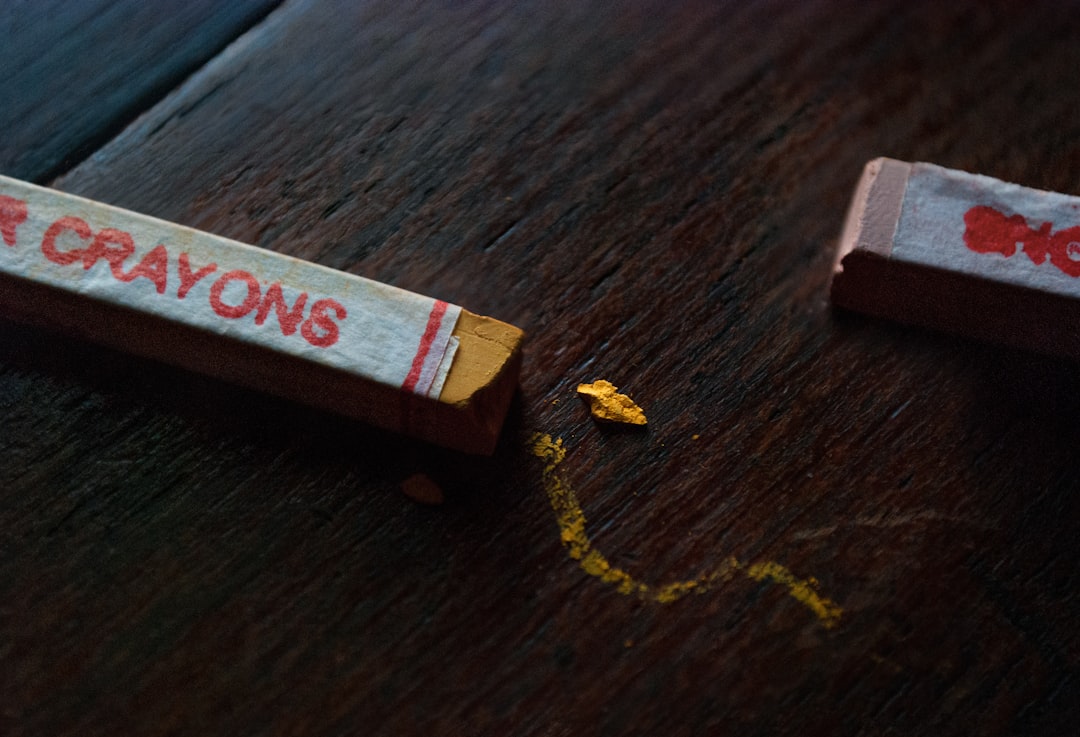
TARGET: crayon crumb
(607,405)
(422,489)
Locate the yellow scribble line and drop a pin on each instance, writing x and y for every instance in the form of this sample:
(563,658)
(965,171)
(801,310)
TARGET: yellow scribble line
(571,521)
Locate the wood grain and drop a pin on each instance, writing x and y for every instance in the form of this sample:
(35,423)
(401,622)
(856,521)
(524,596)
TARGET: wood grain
(75,73)
(653,191)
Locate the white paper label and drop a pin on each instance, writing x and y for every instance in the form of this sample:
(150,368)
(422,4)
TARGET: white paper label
(980,225)
(361,326)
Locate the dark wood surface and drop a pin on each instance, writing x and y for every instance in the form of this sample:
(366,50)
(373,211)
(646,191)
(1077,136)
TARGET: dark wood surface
(875,527)
(74,73)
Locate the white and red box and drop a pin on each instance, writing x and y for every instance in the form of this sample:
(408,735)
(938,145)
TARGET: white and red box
(965,253)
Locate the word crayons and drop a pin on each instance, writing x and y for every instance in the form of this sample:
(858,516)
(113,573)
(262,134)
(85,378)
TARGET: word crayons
(326,338)
(964,253)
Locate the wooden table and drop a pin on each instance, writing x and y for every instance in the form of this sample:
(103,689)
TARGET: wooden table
(832,525)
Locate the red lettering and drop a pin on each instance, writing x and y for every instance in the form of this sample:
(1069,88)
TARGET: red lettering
(322,326)
(1065,250)
(154,266)
(287,318)
(234,311)
(318,318)
(12,215)
(990,231)
(188,279)
(102,248)
(48,241)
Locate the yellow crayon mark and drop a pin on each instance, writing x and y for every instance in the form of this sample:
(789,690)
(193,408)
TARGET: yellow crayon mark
(803,591)
(571,520)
